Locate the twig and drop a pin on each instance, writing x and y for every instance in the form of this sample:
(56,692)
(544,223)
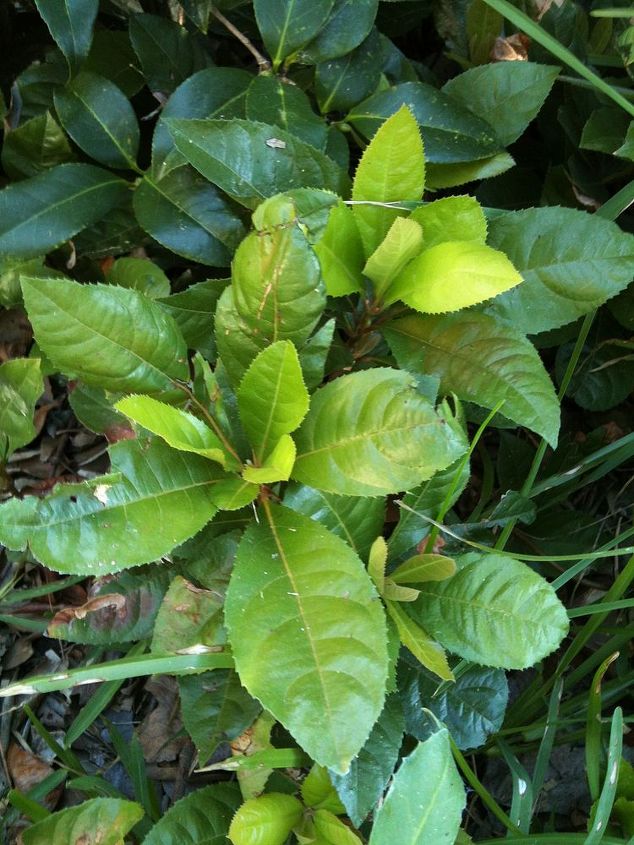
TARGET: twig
(263,63)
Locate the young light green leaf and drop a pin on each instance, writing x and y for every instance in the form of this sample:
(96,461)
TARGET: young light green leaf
(139,274)
(285,27)
(21,386)
(451,219)
(87,528)
(453,275)
(508,95)
(308,634)
(402,243)
(308,208)
(272,397)
(340,253)
(34,146)
(571,262)
(265,820)
(99,118)
(106,820)
(371,433)
(180,429)
(202,816)
(277,466)
(395,592)
(318,792)
(71,24)
(392,168)
(251,161)
(332,831)
(450,175)
(108,336)
(376,563)
(425,801)
(420,568)
(189,616)
(423,647)
(481,360)
(40,213)
(495,611)
(273,100)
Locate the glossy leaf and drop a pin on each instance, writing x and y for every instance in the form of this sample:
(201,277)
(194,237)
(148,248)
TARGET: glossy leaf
(202,816)
(109,819)
(362,787)
(318,792)
(40,213)
(451,219)
(341,83)
(494,611)
(447,175)
(371,433)
(350,21)
(571,263)
(402,243)
(308,635)
(100,120)
(110,337)
(266,820)
(88,527)
(425,801)
(276,102)
(428,652)
(21,385)
(480,360)
(251,161)
(37,145)
(111,55)
(272,397)
(285,27)
(340,253)
(332,830)
(391,169)
(193,310)
(277,466)
(71,24)
(139,274)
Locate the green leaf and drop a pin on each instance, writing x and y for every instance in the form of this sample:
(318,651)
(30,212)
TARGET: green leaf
(425,801)
(71,24)
(340,253)
(279,103)
(251,161)
(318,792)
(40,213)
(362,787)
(428,652)
(451,219)
(472,708)
(110,337)
(508,95)
(451,134)
(453,275)
(341,83)
(350,21)
(99,118)
(450,175)
(480,360)
(494,611)
(277,466)
(308,634)
(377,559)
(308,208)
(203,816)
(193,310)
(106,820)
(391,169)
(94,409)
(216,708)
(314,353)
(36,145)
(139,274)
(111,55)
(178,428)
(189,616)
(332,830)
(186,214)
(371,433)
(21,386)
(571,262)
(87,528)
(426,567)
(401,244)
(287,26)
(356,520)
(272,397)
(266,820)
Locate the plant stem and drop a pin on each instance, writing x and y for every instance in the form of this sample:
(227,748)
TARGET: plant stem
(263,63)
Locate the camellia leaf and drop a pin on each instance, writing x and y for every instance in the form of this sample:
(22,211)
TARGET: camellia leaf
(308,634)
(341,83)
(508,95)
(34,146)
(180,429)
(109,819)
(318,792)
(272,100)
(332,831)
(427,567)
(40,213)
(480,360)
(340,253)
(193,310)
(139,274)
(21,385)
(251,161)
(453,275)
(277,466)
(265,820)
(403,242)
(451,219)
(349,24)
(425,801)
(189,616)
(110,337)
(449,175)
(495,611)
(285,27)
(202,816)
(571,262)
(101,526)
(272,397)
(71,24)
(428,652)
(100,120)
(391,169)
(371,433)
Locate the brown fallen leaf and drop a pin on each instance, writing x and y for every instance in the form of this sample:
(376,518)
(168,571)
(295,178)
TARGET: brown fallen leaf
(114,602)
(27,770)
(158,732)
(514,48)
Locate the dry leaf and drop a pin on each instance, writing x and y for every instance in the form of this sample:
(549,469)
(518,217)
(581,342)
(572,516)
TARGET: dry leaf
(113,602)
(511,49)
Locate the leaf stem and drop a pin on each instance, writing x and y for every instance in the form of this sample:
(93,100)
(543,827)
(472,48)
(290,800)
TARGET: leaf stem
(210,419)
(263,63)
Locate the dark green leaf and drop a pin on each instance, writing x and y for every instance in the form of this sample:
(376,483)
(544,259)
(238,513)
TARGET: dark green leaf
(349,23)
(286,26)
(202,817)
(278,103)
(111,55)
(34,146)
(70,23)
(341,83)
(193,310)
